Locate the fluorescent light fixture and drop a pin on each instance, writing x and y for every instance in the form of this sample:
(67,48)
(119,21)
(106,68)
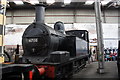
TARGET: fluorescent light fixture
(67,1)
(18,2)
(90,2)
(34,2)
(50,1)
(105,2)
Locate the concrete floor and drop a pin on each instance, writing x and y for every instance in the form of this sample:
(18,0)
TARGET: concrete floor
(91,71)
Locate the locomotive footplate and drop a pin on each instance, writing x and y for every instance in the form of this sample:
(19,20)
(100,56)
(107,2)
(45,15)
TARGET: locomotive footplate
(45,69)
(61,70)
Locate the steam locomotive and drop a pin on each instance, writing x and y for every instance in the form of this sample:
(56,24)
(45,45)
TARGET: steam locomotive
(51,53)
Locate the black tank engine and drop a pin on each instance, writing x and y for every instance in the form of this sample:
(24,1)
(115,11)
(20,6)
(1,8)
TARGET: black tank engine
(56,47)
(51,53)
(40,40)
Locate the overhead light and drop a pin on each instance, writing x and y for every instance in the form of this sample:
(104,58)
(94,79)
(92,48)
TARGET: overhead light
(34,1)
(67,1)
(50,1)
(26,1)
(90,2)
(105,2)
(18,2)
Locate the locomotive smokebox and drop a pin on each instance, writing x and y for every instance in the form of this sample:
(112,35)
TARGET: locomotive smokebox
(40,12)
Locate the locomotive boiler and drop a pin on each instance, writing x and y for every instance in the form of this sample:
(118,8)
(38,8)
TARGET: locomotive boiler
(53,53)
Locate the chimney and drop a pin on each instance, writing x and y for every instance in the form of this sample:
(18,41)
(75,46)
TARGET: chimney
(40,13)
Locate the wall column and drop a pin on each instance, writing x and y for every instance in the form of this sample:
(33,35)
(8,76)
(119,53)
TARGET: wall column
(2,28)
(100,45)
